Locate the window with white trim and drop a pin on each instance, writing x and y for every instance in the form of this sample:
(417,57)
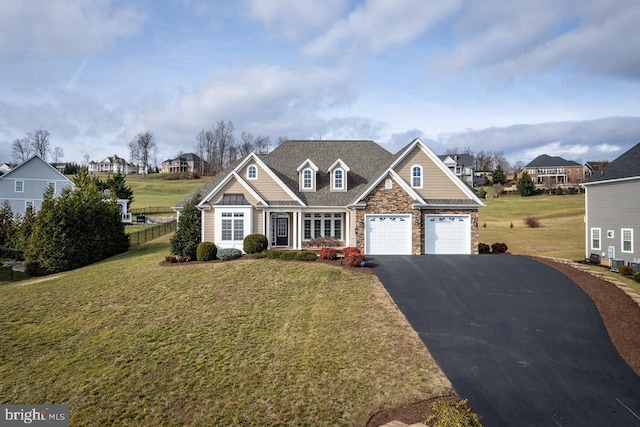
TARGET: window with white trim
(52,184)
(595,238)
(338,182)
(416,176)
(19,186)
(307,179)
(627,239)
(322,225)
(232,225)
(252,172)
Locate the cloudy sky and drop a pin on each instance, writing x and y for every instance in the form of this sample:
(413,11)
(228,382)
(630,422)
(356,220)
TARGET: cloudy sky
(519,76)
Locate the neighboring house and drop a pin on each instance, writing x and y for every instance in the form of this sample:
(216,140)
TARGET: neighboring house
(593,167)
(354,191)
(613,209)
(553,171)
(112,164)
(25,184)
(185,163)
(462,165)
(60,167)
(6,167)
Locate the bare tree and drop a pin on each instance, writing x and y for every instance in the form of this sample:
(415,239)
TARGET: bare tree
(57,154)
(140,149)
(40,142)
(86,159)
(262,144)
(224,139)
(21,150)
(246,144)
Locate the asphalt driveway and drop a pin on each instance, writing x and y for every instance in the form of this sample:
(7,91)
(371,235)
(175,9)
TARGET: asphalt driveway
(522,342)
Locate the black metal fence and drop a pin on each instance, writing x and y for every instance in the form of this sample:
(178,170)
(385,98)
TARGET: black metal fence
(152,210)
(140,237)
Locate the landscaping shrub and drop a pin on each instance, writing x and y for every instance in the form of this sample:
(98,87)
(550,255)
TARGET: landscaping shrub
(274,253)
(352,256)
(320,242)
(260,255)
(188,234)
(451,413)
(625,270)
(482,194)
(483,248)
(328,253)
(306,256)
(350,250)
(636,277)
(288,255)
(571,190)
(499,248)
(254,243)
(559,191)
(206,251)
(532,222)
(228,254)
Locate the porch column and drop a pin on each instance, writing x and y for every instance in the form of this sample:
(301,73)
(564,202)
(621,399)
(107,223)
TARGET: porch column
(294,226)
(347,228)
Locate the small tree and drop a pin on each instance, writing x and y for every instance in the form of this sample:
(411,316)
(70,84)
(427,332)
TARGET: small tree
(525,185)
(7,225)
(187,237)
(117,184)
(499,177)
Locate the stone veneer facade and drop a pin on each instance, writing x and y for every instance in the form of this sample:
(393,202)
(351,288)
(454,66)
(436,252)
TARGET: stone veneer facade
(397,201)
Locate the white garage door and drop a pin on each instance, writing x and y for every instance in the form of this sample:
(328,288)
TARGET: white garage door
(388,235)
(447,234)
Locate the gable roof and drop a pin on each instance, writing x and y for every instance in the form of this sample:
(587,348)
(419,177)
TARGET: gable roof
(626,166)
(460,159)
(36,158)
(186,157)
(545,161)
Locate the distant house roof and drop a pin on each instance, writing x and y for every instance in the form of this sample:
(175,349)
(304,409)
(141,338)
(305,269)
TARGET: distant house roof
(460,159)
(625,166)
(186,157)
(596,166)
(545,161)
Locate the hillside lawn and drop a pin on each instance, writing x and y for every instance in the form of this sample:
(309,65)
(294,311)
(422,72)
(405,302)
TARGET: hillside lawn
(561,233)
(246,342)
(153,191)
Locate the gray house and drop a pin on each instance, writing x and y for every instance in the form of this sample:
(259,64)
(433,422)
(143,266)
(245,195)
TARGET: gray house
(25,184)
(462,165)
(613,211)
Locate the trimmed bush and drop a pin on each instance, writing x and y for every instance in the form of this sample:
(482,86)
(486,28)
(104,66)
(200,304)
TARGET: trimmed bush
(483,248)
(482,193)
(260,255)
(255,243)
(206,251)
(352,256)
(499,248)
(227,254)
(452,413)
(559,191)
(328,253)
(288,255)
(636,277)
(625,270)
(320,242)
(274,253)
(306,256)
(532,222)
(571,190)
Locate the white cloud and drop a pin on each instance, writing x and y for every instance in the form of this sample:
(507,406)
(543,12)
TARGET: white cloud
(379,24)
(67,27)
(608,148)
(295,18)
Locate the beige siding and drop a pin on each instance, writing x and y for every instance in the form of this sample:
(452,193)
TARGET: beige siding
(266,186)
(436,184)
(233,187)
(208,226)
(258,222)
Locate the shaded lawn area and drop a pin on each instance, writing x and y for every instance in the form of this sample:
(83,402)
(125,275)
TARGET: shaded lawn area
(247,342)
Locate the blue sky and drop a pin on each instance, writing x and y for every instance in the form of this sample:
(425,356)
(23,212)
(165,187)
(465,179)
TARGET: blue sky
(522,77)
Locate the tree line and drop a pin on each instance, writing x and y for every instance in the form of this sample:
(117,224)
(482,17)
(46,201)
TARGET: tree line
(36,142)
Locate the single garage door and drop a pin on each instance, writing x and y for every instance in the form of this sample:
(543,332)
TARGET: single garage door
(447,234)
(387,235)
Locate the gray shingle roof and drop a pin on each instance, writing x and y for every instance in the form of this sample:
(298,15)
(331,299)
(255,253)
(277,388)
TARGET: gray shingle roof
(627,165)
(546,161)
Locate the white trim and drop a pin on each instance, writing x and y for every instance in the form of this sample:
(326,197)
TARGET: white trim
(303,179)
(333,179)
(622,230)
(15,186)
(247,219)
(249,168)
(609,181)
(224,182)
(599,248)
(311,165)
(421,169)
(339,163)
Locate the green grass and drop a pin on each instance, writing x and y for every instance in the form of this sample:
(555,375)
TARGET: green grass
(153,192)
(560,235)
(249,342)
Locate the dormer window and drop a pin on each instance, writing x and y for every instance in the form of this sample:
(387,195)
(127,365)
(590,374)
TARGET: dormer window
(307,179)
(252,172)
(338,173)
(416,176)
(338,182)
(307,175)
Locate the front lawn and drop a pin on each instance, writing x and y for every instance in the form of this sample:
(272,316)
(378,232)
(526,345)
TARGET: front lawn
(248,342)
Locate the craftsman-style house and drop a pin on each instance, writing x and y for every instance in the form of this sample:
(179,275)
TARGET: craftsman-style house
(353,191)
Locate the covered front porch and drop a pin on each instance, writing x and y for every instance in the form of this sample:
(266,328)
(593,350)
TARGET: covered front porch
(288,228)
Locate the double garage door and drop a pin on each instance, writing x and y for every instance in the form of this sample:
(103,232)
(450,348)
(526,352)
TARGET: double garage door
(391,234)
